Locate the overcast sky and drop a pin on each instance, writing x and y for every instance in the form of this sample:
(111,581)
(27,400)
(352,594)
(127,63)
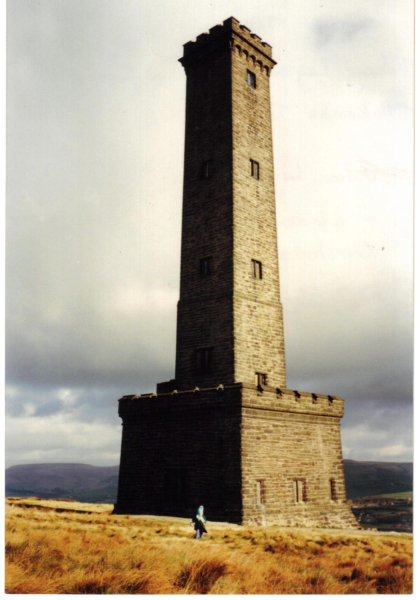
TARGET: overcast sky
(95,141)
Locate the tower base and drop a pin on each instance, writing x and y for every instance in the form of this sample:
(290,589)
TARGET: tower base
(250,455)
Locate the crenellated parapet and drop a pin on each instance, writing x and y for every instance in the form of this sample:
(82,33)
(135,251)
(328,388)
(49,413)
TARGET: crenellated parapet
(235,36)
(264,398)
(294,401)
(244,51)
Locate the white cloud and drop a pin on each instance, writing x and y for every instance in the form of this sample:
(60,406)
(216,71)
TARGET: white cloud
(395,451)
(60,438)
(366,442)
(67,396)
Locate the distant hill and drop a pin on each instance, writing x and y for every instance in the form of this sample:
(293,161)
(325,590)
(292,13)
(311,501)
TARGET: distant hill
(87,483)
(74,481)
(365,478)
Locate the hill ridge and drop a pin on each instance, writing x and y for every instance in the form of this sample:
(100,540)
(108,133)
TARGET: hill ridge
(89,483)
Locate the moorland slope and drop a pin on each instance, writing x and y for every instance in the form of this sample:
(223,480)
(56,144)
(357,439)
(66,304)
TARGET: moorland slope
(72,548)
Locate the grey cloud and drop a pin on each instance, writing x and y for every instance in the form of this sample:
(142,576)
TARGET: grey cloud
(344,31)
(82,352)
(15,407)
(49,408)
(372,432)
(366,52)
(363,347)
(80,404)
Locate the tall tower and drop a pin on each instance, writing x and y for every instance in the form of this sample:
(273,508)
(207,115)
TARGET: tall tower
(230,323)
(226,432)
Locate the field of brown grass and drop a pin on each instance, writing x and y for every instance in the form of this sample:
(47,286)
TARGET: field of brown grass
(60,547)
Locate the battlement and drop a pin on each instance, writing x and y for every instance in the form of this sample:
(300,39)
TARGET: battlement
(233,31)
(293,401)
(264,398)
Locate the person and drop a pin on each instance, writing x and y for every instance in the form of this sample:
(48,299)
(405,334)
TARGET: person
(199,523)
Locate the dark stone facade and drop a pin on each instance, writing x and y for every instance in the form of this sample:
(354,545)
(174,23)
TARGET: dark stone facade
(179,451)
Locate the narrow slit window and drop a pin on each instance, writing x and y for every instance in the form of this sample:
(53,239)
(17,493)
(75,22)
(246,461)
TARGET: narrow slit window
(206,267)
(204,361)
(207,169)
(333,495)
(256,269)
(299,491)
(260,491)
(251,79)
(260,379)
(254,169)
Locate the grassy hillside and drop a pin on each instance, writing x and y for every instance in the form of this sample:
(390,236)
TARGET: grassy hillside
(87,483)
(401,495)
(365,478)
(72,548)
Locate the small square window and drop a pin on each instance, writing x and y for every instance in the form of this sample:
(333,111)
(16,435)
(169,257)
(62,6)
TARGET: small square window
(204,361)
(256,269)
(251,79)
(261,379)
(207,169)
(206,267)
(254,169)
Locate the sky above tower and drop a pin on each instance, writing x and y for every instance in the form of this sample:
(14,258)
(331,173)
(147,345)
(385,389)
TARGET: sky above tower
(95,142)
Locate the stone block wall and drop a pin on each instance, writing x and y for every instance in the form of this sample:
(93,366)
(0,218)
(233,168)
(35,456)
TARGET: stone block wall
(291,437)
(259,335)
(205,312)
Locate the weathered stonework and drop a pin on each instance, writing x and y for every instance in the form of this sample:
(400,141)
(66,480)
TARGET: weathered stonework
(290,436)
(251,453)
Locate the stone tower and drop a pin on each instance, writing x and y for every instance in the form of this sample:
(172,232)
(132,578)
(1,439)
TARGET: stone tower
(226,432)
(229,223)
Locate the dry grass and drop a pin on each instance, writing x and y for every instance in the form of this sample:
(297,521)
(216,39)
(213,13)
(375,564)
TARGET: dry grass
(85,550)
